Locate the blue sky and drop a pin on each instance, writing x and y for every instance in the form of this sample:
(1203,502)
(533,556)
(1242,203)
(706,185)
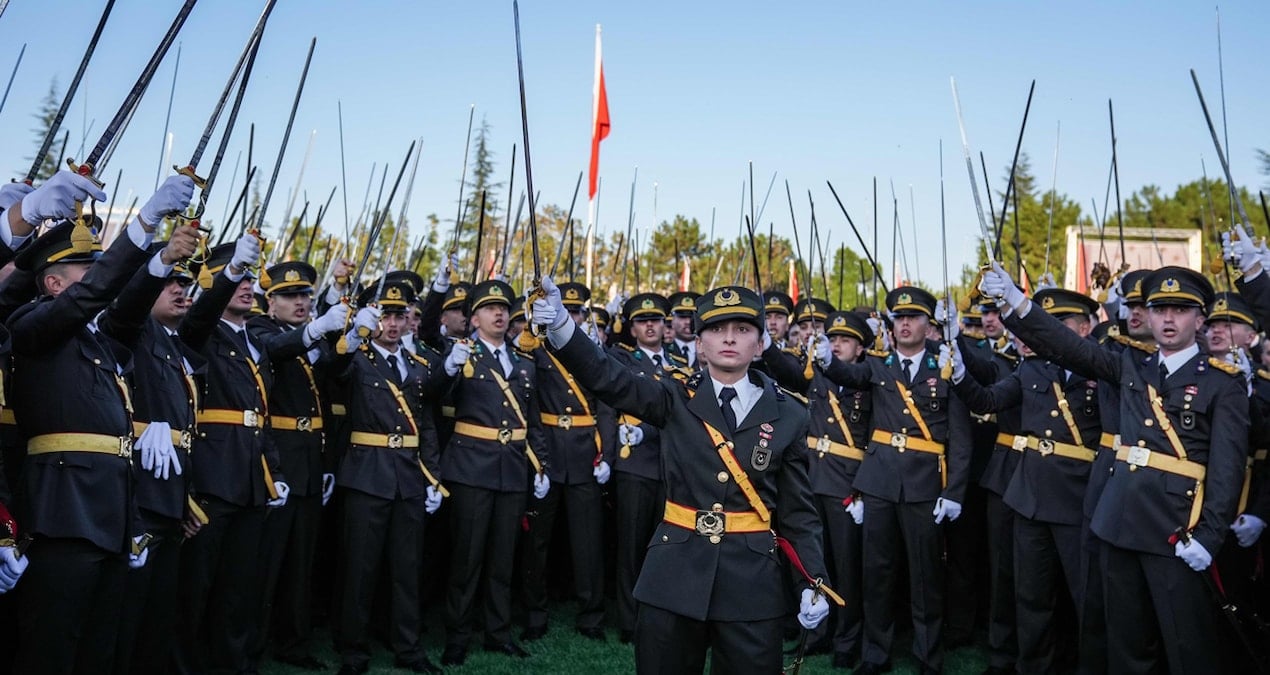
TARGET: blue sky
(843,91)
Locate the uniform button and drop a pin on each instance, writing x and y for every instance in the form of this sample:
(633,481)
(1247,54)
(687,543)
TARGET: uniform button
(1053,413)
(1149,423)
(504,404)
(97,362)
(568,409)
(665,538)
(716,507)
(723,476)
(399,410)
(828,419)
(906,412)
(1190,493)
(1048,433)
(715,539)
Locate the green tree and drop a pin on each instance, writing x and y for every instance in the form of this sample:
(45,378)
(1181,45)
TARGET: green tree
(45,116)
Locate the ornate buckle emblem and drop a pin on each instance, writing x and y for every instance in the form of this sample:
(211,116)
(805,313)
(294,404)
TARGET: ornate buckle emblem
(899,441)
(504,436)
(1046,447)
(1138,456)
(566,422)
(1019,443)
(187,439)
(395,441)
(822,444)
(303,424)
(125,447)
(250,418)
(710,523)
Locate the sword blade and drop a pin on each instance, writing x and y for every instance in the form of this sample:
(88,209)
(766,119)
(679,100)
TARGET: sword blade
(987,234)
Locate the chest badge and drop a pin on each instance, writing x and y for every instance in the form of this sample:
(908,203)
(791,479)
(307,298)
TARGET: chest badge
(761,457)
(1188,420)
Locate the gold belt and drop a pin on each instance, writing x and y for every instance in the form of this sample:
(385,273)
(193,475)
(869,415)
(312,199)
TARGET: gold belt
(6,417)
(119,446)
(715,522)
(390,441)
(902,442)
(503,435)
(295,423)
(1046,447)
(238,418)
(1137,457)
(567,422)
(824,445)
(181,438)
(1109,441)
(338,409)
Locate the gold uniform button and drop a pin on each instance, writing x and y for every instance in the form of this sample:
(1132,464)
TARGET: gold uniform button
(723,476)
(717,507)
(1149,423)
(1053,413)
(1048,433)
(715,539)
(1190,493)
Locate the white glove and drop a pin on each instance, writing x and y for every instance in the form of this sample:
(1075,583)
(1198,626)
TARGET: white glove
(947,318)
(172,197)
(767,340)
(246,252)
(368,318)
(879,328)
(283,490)
(950,353)
(601,472)
(331,320)
(541,485)
(157,452)
(328,487)
(138,560)
(946,508)
(11,567)
(996,283)
(56,198)
(1194,554)
(1247,529)
(433,501)
(824,352)
(630,434)
(441,282)
(812,609)
(459,354)
(1046,281)
(12,193)
(1243,252)
(613,308)
(856,509)
(549,310)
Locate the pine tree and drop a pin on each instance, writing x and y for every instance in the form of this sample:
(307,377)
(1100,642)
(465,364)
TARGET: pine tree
(46,114)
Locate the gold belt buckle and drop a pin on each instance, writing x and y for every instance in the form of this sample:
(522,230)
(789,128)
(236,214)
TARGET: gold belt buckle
(187,439)
(1138,456)
(566,422)
(899,441)
(1019,443)
(304,424)
(1045,446)
(125,447)
(504,436)
(710,523)
(395,441)
(250,418)
(823,444)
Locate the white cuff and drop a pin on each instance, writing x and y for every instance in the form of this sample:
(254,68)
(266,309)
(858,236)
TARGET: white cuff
(559,337)
(234,277)
(157,268)
(6,233)
(137,234)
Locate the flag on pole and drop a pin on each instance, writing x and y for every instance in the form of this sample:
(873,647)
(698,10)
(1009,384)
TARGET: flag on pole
(685,277)
(793,282)
(599,118)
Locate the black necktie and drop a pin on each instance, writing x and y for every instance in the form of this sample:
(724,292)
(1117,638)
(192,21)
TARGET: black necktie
(657,360)
(907,364)
(498,356)
(726,395)
(392,364)
(1164,373)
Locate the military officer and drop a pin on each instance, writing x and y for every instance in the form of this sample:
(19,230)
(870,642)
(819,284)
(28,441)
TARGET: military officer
(1175,485)
(712,578)
(777,307)
(683,309)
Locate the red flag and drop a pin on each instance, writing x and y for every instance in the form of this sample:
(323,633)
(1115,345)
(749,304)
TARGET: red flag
(685,278)
(600,122)
(793,282)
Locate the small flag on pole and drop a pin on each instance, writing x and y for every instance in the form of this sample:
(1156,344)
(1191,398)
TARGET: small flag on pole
(600,122)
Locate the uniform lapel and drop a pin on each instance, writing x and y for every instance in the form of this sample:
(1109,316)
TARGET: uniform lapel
(705,405)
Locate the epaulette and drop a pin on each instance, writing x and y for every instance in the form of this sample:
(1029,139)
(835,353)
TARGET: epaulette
(1228,368)
(792,394)
(781,392)
(1136,344)
(793,351)
(880,353)
(672,357)
(973,334)
(1012,358)
(1263,373)
(630,348)
(690,379)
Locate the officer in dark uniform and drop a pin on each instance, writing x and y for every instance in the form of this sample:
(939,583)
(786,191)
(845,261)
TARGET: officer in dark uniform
(602,321)
(297,428)
(517,322)
(388,477)
(582,435)
(912,479)
(840,423)
(496,448)
(444,318)
(777,307)
(76,497)
(236,470)
(735,458)
(683,310)
(637,473)
(1060,434)
(1179,468)
(810,314)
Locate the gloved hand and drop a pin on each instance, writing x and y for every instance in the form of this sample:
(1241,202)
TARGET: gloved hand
(433,501)
(332,320)
(1242,251)
(246,252)
(157,452)
(56,198)
(138,560)
(12,193)
(996,283)
(879,328)
(441,282)
(328,487)
(948,353)
(824,352)
(11,567)
(630,434)
(856,509)
(366,318)
(541,485)
(459,354)
(812,609)
(1046,281)
(946,508)
(601,472)
(1194,554)
(948,317)
(615,304)
(1247,529)
(172,197)
(283,490)
(549,310)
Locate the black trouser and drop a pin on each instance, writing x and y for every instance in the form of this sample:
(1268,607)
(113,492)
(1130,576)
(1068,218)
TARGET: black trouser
(150,604)
(289,542)
(585,517)
(1158,611)
(483,544)
(890,531)
(667,643)
(220,572)
(69,599)
(375,529)
(1092,608)
(640,506)
(1003,644)
(1042,552)
(967,561)
(843,541)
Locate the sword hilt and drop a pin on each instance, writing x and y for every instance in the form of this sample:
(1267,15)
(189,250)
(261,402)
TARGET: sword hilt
(188,171)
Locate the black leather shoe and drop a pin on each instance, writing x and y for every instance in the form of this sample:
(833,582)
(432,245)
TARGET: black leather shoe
(420,665)
(454,655)
(845,660)
(306,662)
(353,670)
(594,633)
(508,649)
(532,633)
(627,637)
